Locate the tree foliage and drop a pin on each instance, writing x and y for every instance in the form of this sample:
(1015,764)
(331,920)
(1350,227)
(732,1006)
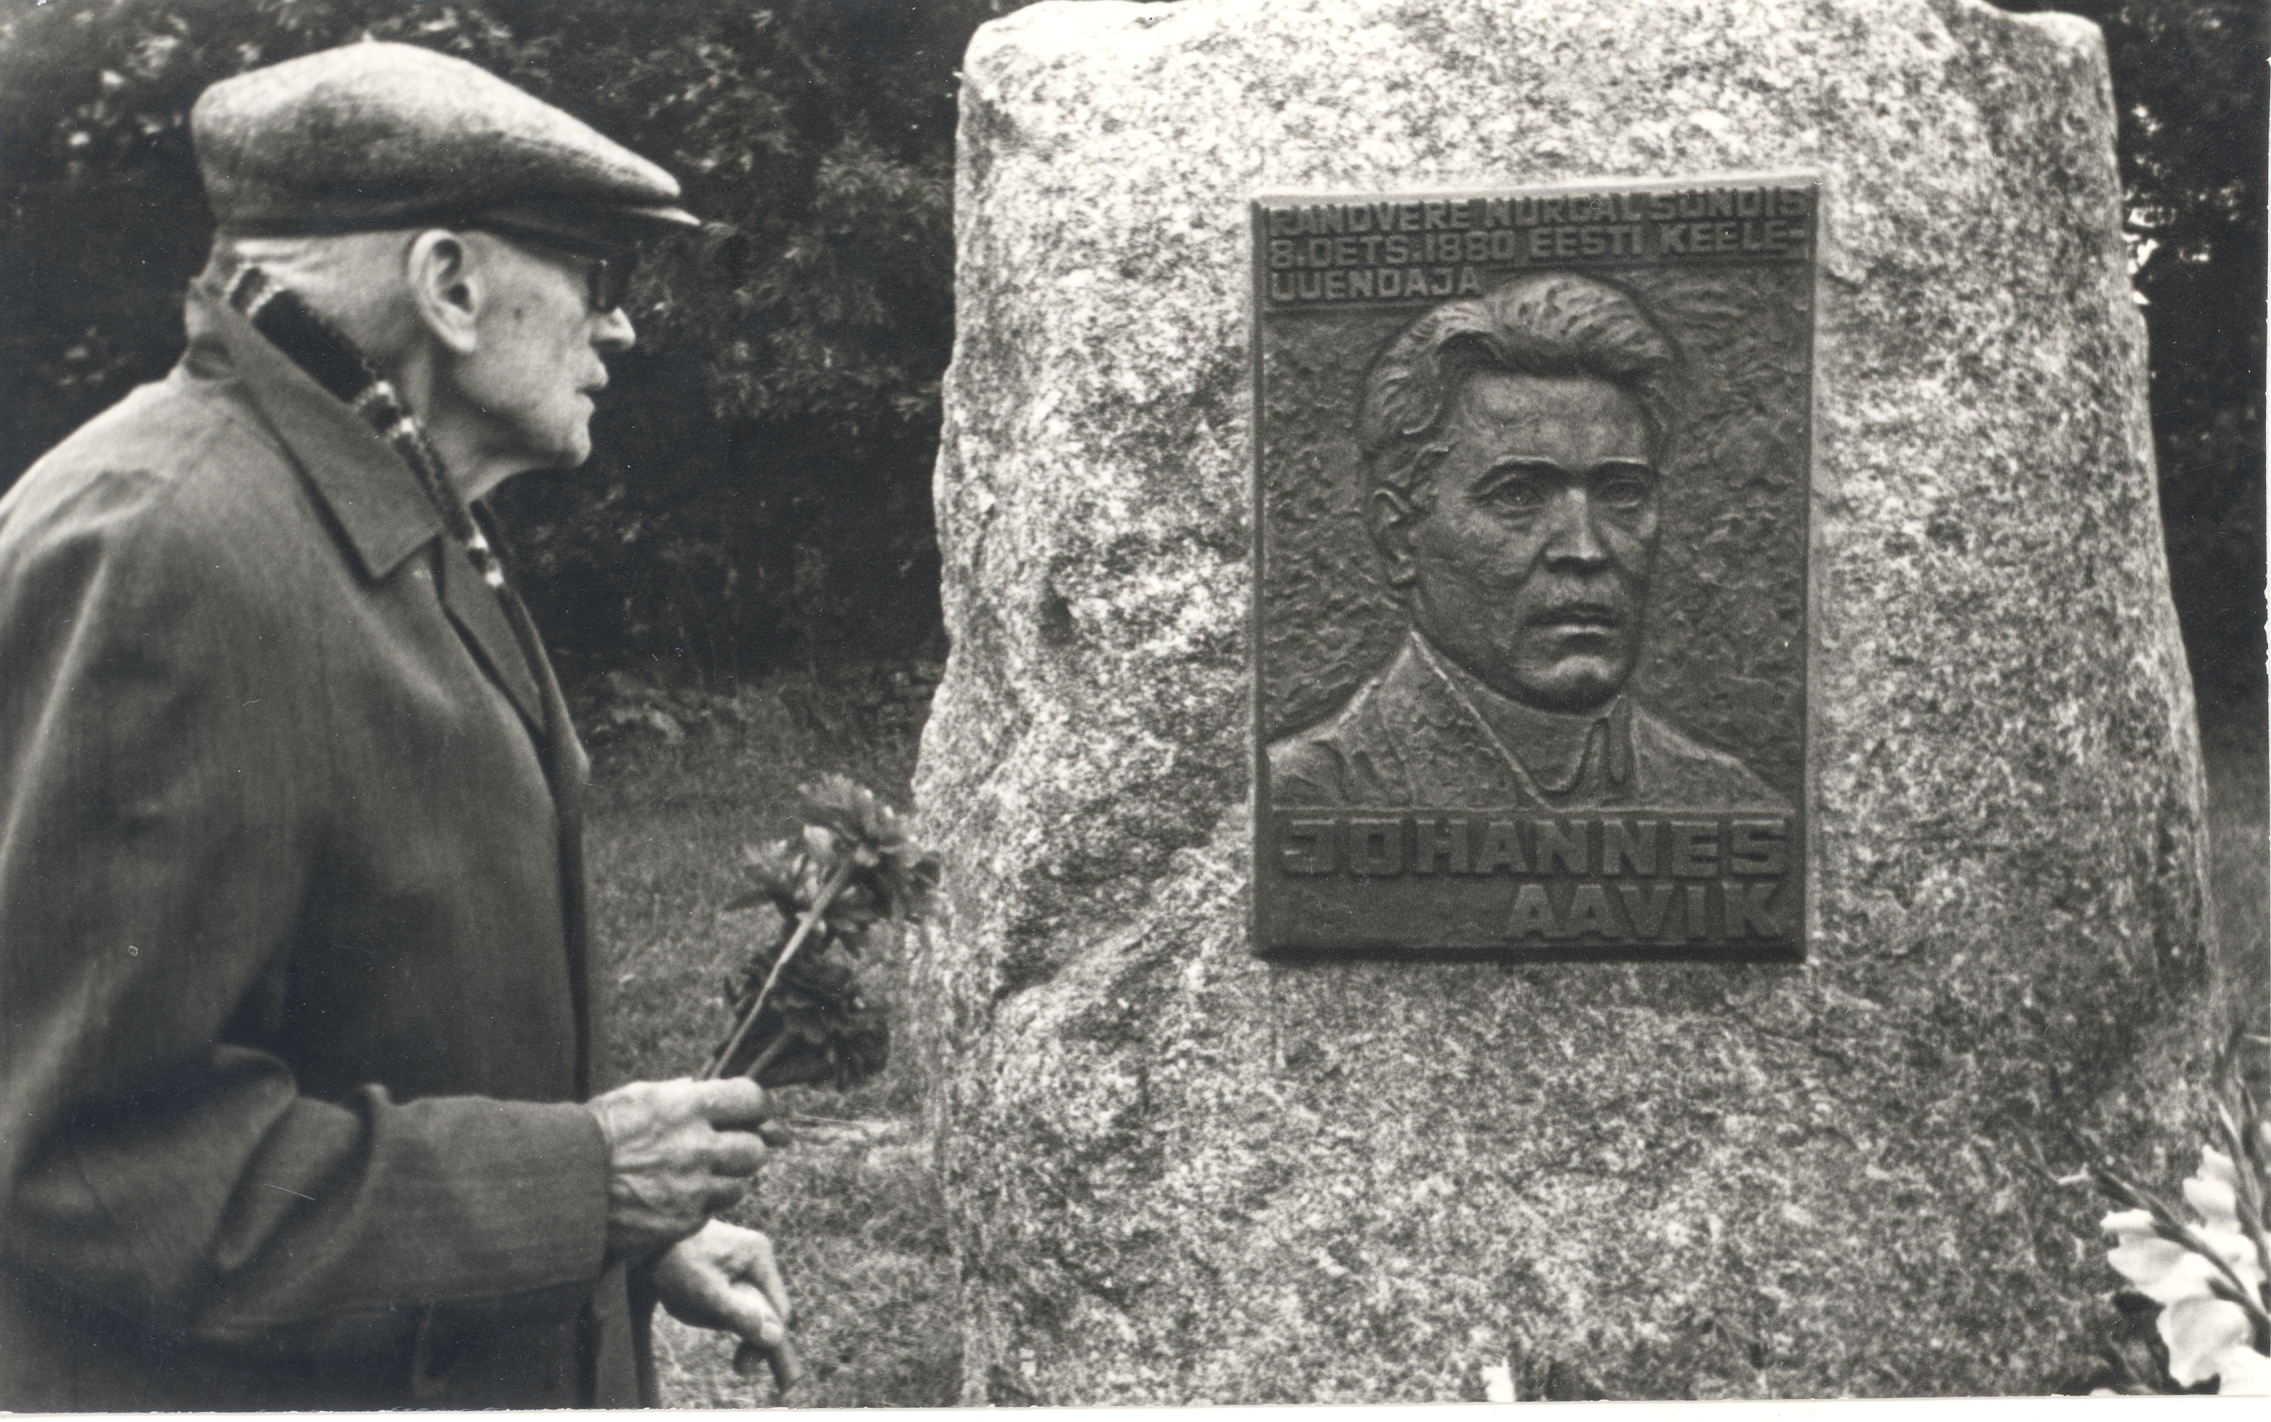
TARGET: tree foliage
(760,487)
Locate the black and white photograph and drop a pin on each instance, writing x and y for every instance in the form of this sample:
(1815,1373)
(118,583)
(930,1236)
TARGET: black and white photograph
(724,704)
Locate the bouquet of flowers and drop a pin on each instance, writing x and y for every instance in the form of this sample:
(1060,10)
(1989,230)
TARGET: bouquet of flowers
(800,1013)
(2201,1281)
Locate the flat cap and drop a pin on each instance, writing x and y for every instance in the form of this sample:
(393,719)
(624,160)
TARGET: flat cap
(373,135)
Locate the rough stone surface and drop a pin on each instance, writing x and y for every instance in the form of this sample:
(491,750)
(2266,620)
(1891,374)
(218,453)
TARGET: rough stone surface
(1181,1173)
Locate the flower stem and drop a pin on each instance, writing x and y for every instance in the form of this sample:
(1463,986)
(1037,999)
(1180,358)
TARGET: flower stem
(804,927)
(765,1056)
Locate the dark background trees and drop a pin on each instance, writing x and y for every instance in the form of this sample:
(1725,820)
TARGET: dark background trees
(760,490)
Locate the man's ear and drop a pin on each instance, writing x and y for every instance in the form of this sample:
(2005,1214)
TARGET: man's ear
(1392,518)
(446,288)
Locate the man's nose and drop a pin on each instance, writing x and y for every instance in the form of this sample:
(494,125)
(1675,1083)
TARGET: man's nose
(613,334)
(1574,540)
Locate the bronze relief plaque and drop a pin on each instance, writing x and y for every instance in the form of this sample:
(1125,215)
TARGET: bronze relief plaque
(1531,506)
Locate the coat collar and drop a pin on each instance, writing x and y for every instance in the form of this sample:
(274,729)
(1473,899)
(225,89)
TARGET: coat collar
(369,492)
(363,483)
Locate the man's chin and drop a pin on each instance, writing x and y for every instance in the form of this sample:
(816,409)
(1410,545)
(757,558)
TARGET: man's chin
(560,455)
(1572,687)
(564,446)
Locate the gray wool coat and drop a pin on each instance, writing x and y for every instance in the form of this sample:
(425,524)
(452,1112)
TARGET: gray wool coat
(294,1002)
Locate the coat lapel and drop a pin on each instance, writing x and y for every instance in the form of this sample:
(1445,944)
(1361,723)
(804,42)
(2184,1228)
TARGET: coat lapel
(1461,762)
(1470,753)
(568,769)
(480,617)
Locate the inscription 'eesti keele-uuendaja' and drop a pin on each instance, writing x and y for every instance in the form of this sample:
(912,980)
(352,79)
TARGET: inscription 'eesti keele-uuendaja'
(1343,250)
(1531,502)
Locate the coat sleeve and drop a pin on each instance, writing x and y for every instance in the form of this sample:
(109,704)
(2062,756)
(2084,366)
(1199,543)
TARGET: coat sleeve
(158,837)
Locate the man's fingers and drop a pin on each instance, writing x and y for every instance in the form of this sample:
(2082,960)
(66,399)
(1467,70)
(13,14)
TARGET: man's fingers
(762,1270)
(787,1366)
(749,1313)
(725,1277)
(736,1152)
(722,1193)
(675,1156)
(733,1100)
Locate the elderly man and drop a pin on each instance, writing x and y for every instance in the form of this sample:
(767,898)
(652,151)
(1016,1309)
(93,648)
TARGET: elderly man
(1515,442)
(301,1025)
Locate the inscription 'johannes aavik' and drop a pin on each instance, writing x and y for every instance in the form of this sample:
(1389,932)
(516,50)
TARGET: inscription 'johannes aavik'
(1611,878)
(1515,448)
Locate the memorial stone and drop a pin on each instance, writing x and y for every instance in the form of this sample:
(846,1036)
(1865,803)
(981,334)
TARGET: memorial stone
(1183,1165)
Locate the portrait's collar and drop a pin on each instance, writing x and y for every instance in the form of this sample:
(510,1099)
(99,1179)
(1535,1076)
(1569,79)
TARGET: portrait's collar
(1553,754)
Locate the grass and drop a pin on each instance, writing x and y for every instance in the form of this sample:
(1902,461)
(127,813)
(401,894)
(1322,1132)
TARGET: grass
(851,1207)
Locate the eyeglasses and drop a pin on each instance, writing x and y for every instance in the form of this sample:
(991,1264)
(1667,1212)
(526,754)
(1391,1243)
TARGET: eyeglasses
(607,275)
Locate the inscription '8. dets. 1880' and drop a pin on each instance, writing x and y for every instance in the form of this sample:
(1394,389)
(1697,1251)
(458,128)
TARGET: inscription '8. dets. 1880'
(1531,514)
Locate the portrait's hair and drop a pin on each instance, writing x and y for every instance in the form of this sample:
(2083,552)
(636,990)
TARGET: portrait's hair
(1552,324)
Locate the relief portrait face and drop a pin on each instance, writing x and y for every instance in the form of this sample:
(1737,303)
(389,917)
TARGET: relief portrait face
(1530,567)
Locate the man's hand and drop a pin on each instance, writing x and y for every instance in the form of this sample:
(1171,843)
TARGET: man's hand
(678,1152)
(724,1277)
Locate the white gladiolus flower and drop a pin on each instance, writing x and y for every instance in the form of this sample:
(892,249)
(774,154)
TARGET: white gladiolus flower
(2208,1337)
